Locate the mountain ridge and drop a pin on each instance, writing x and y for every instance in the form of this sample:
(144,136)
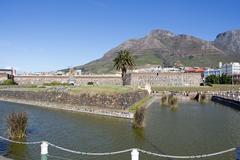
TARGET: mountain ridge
(163,47)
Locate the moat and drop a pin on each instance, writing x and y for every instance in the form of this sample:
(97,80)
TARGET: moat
(191,129)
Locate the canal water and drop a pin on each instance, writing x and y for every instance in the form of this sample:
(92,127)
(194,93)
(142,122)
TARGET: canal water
(192,128)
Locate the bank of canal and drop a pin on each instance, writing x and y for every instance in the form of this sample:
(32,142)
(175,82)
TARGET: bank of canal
(192,129)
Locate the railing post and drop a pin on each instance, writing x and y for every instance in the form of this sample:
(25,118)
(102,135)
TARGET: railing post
(135,154)
(44,150)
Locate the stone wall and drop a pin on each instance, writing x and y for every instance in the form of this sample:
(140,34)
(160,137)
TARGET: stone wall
(163,79)
(227,102)
(166,79)
(3,77)
(80,80)
(115,101)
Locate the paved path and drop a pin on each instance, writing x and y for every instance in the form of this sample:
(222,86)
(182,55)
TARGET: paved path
(3,158)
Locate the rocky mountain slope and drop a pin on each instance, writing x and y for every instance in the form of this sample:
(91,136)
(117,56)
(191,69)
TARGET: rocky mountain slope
(161,47)
(228,42)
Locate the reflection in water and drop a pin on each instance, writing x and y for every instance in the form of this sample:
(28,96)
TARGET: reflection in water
(138,134)
(3,147)
(174,108)
(17,151)
(192,129)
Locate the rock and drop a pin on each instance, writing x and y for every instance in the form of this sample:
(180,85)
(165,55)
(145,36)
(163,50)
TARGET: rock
(228,41)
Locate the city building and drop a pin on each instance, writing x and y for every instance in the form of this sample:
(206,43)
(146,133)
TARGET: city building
(231,68)
(157,69)
(208,72)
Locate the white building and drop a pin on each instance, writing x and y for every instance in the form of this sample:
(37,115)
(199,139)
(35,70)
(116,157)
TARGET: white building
(158,69)
(231,68)
(79,72)
(209,72)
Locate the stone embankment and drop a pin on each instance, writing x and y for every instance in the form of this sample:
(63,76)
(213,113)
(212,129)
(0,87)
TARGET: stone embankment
(231,99)
(110,105)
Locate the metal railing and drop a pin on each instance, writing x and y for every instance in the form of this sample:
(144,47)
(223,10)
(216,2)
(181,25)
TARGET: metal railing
(134,151)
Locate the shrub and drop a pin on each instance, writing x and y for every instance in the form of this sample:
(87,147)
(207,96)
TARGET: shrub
(164,99)
(9,82)
(139,118)
(203,97)
(90,83)
(17,125)
(172,100)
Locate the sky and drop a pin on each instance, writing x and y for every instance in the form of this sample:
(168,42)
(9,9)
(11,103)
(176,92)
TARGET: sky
(48,35)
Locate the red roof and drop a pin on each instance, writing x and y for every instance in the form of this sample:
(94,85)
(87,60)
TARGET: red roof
(194,70)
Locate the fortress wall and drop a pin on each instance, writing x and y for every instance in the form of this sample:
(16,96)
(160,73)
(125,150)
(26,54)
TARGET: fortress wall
(3,77)
(38,80)
(163,79)
(84,79)
(101,80)
(166,79)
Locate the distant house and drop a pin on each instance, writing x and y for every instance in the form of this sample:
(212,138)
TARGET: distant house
(8,73)
(60,73)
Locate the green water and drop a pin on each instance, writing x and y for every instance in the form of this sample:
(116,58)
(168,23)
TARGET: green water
(192,129)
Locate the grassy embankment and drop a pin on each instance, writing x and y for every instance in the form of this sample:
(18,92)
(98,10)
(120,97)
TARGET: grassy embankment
(139,104)
(213,88)
(87,89)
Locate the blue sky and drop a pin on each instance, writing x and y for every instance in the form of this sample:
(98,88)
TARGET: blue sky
(45,35)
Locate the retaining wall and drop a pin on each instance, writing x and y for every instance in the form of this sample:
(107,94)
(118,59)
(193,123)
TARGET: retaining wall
(228,102)
(115,101)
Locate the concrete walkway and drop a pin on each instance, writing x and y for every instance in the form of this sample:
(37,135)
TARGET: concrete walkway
(3,158)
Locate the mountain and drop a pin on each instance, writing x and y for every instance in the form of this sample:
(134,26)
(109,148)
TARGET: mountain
(162,47)
(229,42)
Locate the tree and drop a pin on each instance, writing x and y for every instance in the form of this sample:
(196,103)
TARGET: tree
(212,79)
(223,79)
(123,62)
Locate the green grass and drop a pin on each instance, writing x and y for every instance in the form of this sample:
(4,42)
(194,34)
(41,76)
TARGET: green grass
(197,88)
(147,59)
(102,89)
(56,84)
(139,104)
(8,82)
(23,89)
(88,89)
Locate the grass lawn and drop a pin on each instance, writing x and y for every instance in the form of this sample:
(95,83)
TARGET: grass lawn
(90,89)
(197,88)
(102,89)
(138,104)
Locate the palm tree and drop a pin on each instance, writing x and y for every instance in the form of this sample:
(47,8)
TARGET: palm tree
(122,62)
